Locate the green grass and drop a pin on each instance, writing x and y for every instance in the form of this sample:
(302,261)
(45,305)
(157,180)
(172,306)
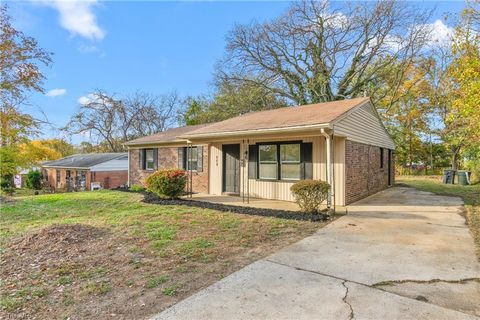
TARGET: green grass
(98,288)
(155,281)
(64,280)
(155,238)
(170,291)
(470,195)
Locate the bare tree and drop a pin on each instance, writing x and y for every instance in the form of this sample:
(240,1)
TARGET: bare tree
(150,114)
(314,53)
(99,117)
(111,121)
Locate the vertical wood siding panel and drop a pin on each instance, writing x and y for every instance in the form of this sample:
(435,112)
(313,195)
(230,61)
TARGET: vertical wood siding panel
(364,126)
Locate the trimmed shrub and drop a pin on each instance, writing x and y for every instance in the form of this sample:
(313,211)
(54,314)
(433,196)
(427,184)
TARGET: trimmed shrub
(136,188)
(309,194)
(34,180)
(6,184)
(167,183)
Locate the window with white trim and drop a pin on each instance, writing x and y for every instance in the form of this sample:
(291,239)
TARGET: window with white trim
(191,160)
(149,159)
(290,168)
(268,162)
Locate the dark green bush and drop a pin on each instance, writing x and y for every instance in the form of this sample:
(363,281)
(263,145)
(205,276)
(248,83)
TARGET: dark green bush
(167,183)
(136,188)
(34,180)
(6,183)
(309,194)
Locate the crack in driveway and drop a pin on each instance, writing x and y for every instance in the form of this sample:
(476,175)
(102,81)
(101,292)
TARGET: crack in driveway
(391,282)
(378,285)
(352,315)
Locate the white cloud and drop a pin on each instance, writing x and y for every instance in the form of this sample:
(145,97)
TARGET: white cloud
(91,97)
(441,33)
(337,20)
(88,49)
(77,17)
(86,99)
(56,92)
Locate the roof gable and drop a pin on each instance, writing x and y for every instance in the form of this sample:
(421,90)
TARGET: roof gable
(363,124)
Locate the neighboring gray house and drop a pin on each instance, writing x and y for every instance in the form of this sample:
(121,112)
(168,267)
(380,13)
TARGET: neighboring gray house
(82,171)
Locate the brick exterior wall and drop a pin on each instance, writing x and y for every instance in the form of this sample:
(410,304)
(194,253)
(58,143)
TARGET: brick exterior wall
(108,179)
(168,158)
(363,174)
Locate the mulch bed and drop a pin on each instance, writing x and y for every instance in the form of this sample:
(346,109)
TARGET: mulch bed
(283,214)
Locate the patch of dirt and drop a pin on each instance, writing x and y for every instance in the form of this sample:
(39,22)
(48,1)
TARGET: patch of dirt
(57,238)
(79,271)
(6,199)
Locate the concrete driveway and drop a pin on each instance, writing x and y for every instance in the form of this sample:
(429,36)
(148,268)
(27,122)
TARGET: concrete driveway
(400,254)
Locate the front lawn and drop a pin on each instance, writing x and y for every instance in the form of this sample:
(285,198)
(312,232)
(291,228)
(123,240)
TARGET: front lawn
(470,195)
(106,254)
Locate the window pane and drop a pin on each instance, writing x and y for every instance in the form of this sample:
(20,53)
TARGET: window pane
(192,156)
(268,153)
(192,153)
(290,152)
(290,171)
(268,171)
(149,159)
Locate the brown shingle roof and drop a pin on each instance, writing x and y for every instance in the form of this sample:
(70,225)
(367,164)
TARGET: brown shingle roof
(312,114)
(170,135)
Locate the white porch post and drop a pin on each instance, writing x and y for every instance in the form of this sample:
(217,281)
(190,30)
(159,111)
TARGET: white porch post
(328,142)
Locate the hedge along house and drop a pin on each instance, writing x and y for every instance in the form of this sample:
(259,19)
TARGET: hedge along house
(86,171)
(262,154)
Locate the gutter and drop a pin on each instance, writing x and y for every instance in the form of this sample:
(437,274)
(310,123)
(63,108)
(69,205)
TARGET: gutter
(155,143)
(60,167)
(256,131)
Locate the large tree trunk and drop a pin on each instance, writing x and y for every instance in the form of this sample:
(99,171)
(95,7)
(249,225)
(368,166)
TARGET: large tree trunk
(455,153)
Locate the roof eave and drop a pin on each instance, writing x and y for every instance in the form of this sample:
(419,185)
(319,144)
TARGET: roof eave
(64,167)
(255,132)
(156,143)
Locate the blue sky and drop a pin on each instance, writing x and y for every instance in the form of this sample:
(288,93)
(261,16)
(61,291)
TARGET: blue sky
(122,46)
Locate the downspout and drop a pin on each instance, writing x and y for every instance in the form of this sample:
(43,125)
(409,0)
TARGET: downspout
(328,141)
(188,155)
(128,171)
(242,171)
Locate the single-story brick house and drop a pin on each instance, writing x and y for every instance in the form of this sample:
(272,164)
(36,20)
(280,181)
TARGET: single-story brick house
(82,171)
(261,154)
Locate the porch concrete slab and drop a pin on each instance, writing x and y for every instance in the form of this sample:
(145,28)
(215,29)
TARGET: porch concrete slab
(397,234)
(239,201)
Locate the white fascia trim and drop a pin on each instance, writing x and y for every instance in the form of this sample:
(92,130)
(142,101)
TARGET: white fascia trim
(258,131)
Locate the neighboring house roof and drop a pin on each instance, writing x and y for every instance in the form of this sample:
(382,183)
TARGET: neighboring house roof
(170,135)
(85,161)
(287,117)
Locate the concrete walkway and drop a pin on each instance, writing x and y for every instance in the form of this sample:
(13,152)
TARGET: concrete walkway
(400,254)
